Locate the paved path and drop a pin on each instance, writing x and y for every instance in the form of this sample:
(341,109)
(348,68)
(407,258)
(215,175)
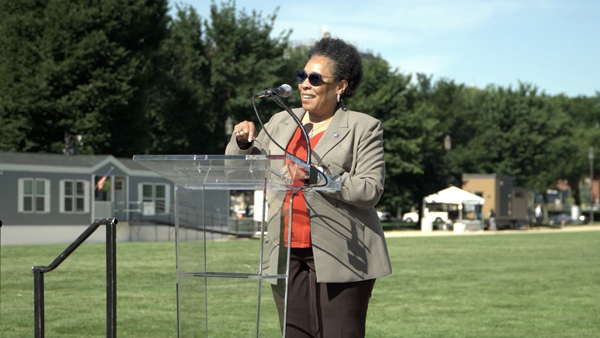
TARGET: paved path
(535,230)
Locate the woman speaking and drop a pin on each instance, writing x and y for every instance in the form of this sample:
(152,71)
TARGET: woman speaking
(338,247)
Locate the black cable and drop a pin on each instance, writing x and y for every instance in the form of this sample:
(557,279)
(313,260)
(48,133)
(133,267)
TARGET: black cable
(282,104)
(265,129)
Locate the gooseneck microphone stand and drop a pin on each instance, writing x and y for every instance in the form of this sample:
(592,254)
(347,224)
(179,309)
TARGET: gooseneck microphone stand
(312,170)
(312,179)
(282,104)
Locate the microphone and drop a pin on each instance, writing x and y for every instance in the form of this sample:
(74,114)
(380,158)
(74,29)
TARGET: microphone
(285,90)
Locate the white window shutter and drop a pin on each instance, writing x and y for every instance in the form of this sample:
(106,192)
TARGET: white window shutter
(86,198)
(167,198)
(20,199)
(47,196)
(61,196)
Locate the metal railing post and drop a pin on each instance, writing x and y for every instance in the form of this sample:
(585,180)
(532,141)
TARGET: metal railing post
(111,277)
(111,280)
(38,302)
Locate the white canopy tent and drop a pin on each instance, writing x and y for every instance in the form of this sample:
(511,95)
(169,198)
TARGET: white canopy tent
(451,195)
(454,195)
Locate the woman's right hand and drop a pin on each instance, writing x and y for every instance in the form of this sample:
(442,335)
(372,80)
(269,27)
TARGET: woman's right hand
(245,131)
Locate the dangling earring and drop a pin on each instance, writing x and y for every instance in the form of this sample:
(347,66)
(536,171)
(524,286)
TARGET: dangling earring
(338,98)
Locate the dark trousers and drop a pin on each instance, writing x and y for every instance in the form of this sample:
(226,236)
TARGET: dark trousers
(321,310)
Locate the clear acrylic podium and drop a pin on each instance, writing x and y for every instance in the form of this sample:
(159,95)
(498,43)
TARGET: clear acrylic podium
(220,290)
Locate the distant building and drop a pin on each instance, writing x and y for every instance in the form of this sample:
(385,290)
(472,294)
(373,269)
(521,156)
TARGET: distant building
(513,207)
(52,198)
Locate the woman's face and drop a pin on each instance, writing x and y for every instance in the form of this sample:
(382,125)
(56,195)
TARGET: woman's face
(321,100)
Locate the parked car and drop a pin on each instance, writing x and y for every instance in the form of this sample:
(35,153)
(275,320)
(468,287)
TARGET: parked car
(435,216)
(410,217)
(384,216)
(567,219)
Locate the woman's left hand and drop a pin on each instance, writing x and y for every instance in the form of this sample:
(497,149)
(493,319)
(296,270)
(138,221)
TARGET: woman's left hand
(293,171)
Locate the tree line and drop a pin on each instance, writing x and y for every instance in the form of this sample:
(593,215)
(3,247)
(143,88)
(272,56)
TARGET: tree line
(131,79)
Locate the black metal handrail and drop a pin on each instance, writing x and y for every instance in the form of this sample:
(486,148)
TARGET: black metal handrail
(111,277)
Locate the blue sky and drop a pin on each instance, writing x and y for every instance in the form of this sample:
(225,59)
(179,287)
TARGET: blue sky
(552,44)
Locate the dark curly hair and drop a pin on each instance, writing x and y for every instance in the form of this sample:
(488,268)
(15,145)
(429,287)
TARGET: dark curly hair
(346,60)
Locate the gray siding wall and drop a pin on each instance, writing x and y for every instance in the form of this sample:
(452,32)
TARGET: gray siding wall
(130,209)
(9,201)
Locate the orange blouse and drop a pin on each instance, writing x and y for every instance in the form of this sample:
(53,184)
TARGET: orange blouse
(300,219)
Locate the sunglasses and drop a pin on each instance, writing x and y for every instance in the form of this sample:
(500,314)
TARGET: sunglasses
(315,79)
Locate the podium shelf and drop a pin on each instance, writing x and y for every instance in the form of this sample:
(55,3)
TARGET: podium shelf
(230,275)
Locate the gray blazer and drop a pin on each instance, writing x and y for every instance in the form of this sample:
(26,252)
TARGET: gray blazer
(347,238)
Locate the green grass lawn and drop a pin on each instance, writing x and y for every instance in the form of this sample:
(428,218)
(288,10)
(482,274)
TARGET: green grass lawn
(502,285)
